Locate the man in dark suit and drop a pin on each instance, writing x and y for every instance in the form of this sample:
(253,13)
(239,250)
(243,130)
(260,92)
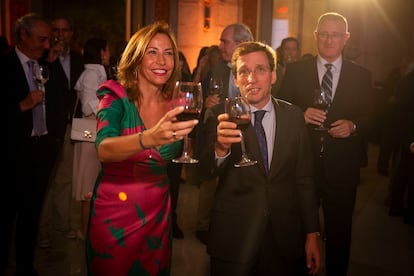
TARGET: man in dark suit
(338,151)
(263,222)
(30,155)
(65,68)
(230,37)
(402,180)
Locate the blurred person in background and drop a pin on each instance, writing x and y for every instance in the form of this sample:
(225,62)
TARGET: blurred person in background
(31,152)
(65,69)
(287,52)
(86,165)
(231,36)
(4,45)
(174,170)
(402,178)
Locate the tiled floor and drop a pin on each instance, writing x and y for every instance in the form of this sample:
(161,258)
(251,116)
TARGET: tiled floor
(381,245)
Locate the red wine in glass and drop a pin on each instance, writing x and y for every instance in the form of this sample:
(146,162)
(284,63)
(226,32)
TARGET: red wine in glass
(189,114)
(239,112)
(242,123)
(190,96)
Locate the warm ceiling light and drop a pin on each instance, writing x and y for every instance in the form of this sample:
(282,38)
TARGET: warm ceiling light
(282,10)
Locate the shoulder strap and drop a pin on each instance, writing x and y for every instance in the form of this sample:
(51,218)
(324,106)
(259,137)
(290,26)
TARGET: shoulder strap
(76,107)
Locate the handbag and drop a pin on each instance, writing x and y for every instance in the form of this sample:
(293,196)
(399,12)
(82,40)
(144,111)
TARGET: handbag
(83,129)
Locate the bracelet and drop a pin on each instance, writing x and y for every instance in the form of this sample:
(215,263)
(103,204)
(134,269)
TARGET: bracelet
(140,141)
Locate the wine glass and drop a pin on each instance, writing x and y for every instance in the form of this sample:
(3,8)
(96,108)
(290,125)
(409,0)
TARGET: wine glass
(190,96)
(216,87)
(239,112)
(321,101)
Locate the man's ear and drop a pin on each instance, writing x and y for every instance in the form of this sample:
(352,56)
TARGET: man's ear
(274,76)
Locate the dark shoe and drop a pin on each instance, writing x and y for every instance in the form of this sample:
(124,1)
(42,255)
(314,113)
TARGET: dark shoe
(177,232)
(202,236)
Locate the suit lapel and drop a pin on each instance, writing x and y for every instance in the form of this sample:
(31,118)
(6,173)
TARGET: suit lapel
(342,83)
(277,143)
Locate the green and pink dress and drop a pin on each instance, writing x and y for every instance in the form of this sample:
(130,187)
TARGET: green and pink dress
(130,222)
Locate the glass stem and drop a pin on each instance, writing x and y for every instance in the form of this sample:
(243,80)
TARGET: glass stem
(185,143)
(243,147)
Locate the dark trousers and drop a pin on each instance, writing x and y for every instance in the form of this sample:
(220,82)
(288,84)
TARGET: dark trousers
(25,193)
(402,182)
(174,174)
(387,139)
(337,202)
(268,261)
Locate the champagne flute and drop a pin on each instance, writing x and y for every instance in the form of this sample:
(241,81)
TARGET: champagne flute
(41,75)
(190,96)
(239,112)
(322,102)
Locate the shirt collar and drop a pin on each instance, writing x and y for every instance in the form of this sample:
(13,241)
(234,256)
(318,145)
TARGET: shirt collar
(268,107)
(64,55)
(336,64)
(22,57)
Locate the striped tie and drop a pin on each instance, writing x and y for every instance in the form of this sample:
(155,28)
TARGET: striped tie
(327,82)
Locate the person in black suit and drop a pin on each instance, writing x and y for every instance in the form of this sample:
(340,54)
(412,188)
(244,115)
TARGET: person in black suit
(30,156)
(66,65)
(174,169)
(402,180)
(340,151)
(262,222)
(230,37)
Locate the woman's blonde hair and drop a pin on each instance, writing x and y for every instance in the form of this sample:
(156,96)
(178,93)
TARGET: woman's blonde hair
(133,54)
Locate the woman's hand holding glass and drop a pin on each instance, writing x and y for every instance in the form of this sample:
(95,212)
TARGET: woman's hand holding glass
(168,129)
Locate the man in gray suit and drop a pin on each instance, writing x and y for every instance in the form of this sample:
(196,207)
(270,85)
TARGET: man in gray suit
(263,221)
(339,151)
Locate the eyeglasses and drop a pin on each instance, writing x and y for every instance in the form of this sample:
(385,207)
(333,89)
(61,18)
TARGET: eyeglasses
(333,36)
(244,73)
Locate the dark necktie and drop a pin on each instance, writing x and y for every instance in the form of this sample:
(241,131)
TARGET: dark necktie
(39,120)
(261,136)
(327,82)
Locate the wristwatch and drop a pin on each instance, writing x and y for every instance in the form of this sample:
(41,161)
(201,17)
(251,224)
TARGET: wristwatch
(354,128)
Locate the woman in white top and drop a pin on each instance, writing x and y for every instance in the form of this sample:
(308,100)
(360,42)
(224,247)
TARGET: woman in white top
(86,165)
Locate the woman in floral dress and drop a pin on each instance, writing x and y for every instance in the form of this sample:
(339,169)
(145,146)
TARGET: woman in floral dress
(129,229)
